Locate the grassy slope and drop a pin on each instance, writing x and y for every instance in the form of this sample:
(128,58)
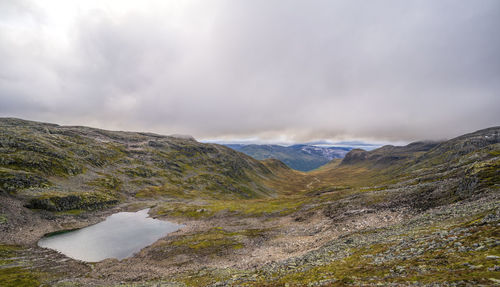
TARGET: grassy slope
(60,168)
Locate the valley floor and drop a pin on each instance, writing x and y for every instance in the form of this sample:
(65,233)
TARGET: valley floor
(282,244)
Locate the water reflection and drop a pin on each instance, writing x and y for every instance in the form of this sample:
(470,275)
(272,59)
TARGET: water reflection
(119,236)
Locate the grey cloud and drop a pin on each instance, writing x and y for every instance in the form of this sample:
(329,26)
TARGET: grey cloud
(304,70)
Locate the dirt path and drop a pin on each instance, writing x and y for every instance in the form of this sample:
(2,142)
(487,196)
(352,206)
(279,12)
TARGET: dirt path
(315,180)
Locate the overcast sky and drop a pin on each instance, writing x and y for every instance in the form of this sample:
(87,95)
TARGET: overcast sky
(266,70)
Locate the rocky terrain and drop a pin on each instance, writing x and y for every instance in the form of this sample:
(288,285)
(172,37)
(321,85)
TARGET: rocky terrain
(426,214)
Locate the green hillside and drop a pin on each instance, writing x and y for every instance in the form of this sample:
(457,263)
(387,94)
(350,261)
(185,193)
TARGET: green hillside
(61,168)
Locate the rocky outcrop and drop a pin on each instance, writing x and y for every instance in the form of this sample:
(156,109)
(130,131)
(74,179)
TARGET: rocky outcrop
(13,180)
(84,201)
(355,156)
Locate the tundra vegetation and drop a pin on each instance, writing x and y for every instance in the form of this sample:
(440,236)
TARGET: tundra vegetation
(422,214)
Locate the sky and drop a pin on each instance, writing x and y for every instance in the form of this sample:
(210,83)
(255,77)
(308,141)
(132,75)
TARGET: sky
(268,70)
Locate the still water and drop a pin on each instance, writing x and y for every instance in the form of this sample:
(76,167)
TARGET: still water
(119,236)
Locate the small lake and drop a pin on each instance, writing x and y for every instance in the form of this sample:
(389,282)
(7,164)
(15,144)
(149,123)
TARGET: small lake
(119,236)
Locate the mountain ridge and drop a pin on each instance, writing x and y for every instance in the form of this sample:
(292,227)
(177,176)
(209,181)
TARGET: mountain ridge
(43,156)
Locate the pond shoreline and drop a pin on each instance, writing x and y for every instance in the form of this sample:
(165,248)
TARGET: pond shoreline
(119,236)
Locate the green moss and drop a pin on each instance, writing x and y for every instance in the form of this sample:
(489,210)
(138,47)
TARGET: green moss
(215,242)
(259,207)
(144,182)
(18,277)
(106,183)
(182,209)
(71,212)
(206,277)
(140,171)
(14,180)
(215,239)
(488,173)
(495,152)
(36,162)
(377,188)
(64,201)
(450,266)
(7,251)
(329,190)
(168,189)
(429,268)
(374,198)
(3,219)
(244,208)
(199,183)
(430,265)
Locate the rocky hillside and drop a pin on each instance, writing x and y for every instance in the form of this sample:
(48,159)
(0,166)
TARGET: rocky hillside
(61,168)
(431,173)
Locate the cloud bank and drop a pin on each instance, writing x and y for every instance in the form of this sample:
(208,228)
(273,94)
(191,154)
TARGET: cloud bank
(275,70)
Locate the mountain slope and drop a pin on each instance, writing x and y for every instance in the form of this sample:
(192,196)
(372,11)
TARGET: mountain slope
(59,168)
(433,173)
(300,157)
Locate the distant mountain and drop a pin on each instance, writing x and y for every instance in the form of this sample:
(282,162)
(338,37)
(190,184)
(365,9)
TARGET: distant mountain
(303,157)
(351,144)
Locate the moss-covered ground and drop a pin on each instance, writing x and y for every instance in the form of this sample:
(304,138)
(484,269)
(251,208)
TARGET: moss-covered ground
(13,271)
(453,251)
